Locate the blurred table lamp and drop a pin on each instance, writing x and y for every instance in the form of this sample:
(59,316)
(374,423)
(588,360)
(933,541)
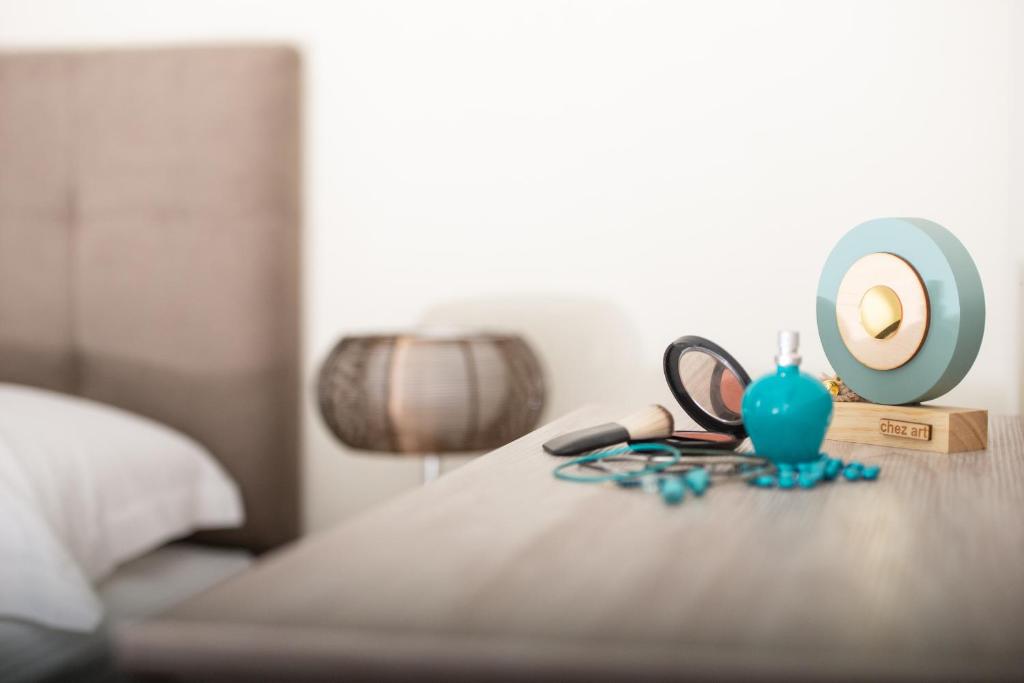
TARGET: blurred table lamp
(430,394)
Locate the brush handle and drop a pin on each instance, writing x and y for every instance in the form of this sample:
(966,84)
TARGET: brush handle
(587,439)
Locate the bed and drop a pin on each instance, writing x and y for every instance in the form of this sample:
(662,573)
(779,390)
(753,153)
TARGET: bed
(149,261)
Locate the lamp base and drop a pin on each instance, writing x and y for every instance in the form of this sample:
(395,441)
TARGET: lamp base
(923,428)
(431,468)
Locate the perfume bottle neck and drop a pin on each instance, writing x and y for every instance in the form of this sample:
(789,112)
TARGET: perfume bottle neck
(789,369)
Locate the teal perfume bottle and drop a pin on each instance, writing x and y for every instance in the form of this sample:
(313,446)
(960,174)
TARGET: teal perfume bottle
(786,413)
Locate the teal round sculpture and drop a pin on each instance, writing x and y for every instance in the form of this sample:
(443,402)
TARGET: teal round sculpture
(954,316)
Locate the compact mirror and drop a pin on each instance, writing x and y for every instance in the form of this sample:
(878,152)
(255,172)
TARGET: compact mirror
(708,383)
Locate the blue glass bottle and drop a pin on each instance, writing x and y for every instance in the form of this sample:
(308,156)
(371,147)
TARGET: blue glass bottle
(786,413)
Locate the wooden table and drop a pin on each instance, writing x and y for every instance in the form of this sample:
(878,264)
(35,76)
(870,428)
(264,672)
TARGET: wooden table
(499,572)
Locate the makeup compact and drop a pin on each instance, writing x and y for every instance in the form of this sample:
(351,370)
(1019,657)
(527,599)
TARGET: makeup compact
(708,383)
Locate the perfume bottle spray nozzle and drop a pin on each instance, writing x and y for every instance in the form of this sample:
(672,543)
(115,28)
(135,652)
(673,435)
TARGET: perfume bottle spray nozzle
(789,343)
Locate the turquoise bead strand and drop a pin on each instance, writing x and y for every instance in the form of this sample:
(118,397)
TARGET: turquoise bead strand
(807,475)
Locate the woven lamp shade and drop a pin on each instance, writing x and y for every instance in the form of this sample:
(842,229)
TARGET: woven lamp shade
(422,394)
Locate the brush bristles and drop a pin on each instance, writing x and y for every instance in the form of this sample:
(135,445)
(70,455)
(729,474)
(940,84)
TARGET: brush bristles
(653,422)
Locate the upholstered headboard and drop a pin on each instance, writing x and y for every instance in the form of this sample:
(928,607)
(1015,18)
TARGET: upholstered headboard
(149,241)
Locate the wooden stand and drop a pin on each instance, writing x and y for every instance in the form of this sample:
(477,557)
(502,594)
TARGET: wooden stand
(923,428)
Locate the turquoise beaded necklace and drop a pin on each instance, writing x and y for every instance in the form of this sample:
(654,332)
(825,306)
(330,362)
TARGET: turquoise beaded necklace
(661,475)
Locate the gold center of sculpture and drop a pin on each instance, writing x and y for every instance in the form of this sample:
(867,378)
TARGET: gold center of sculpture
(881,312)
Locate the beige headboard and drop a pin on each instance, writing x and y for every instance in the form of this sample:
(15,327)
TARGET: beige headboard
(149,240)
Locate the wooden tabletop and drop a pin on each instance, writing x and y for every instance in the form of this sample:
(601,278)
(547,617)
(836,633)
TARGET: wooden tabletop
(499,571)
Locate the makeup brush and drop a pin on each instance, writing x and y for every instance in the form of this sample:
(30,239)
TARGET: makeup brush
(653,422)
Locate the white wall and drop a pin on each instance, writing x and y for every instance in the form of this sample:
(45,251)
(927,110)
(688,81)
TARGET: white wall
(609,175)
(1016,186)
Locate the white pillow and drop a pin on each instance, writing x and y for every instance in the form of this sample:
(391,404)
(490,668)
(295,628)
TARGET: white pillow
(111,485)
(39,582)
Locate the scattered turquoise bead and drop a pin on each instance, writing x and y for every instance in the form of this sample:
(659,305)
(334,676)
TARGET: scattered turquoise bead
(698,480)
(814,470)
(786,480)
(870,473)
(672,490)
(808,480)
(852,471)
(832,468)
(786,467)
(765,481)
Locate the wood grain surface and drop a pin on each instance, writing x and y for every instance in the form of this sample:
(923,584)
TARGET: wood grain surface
(499,571)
